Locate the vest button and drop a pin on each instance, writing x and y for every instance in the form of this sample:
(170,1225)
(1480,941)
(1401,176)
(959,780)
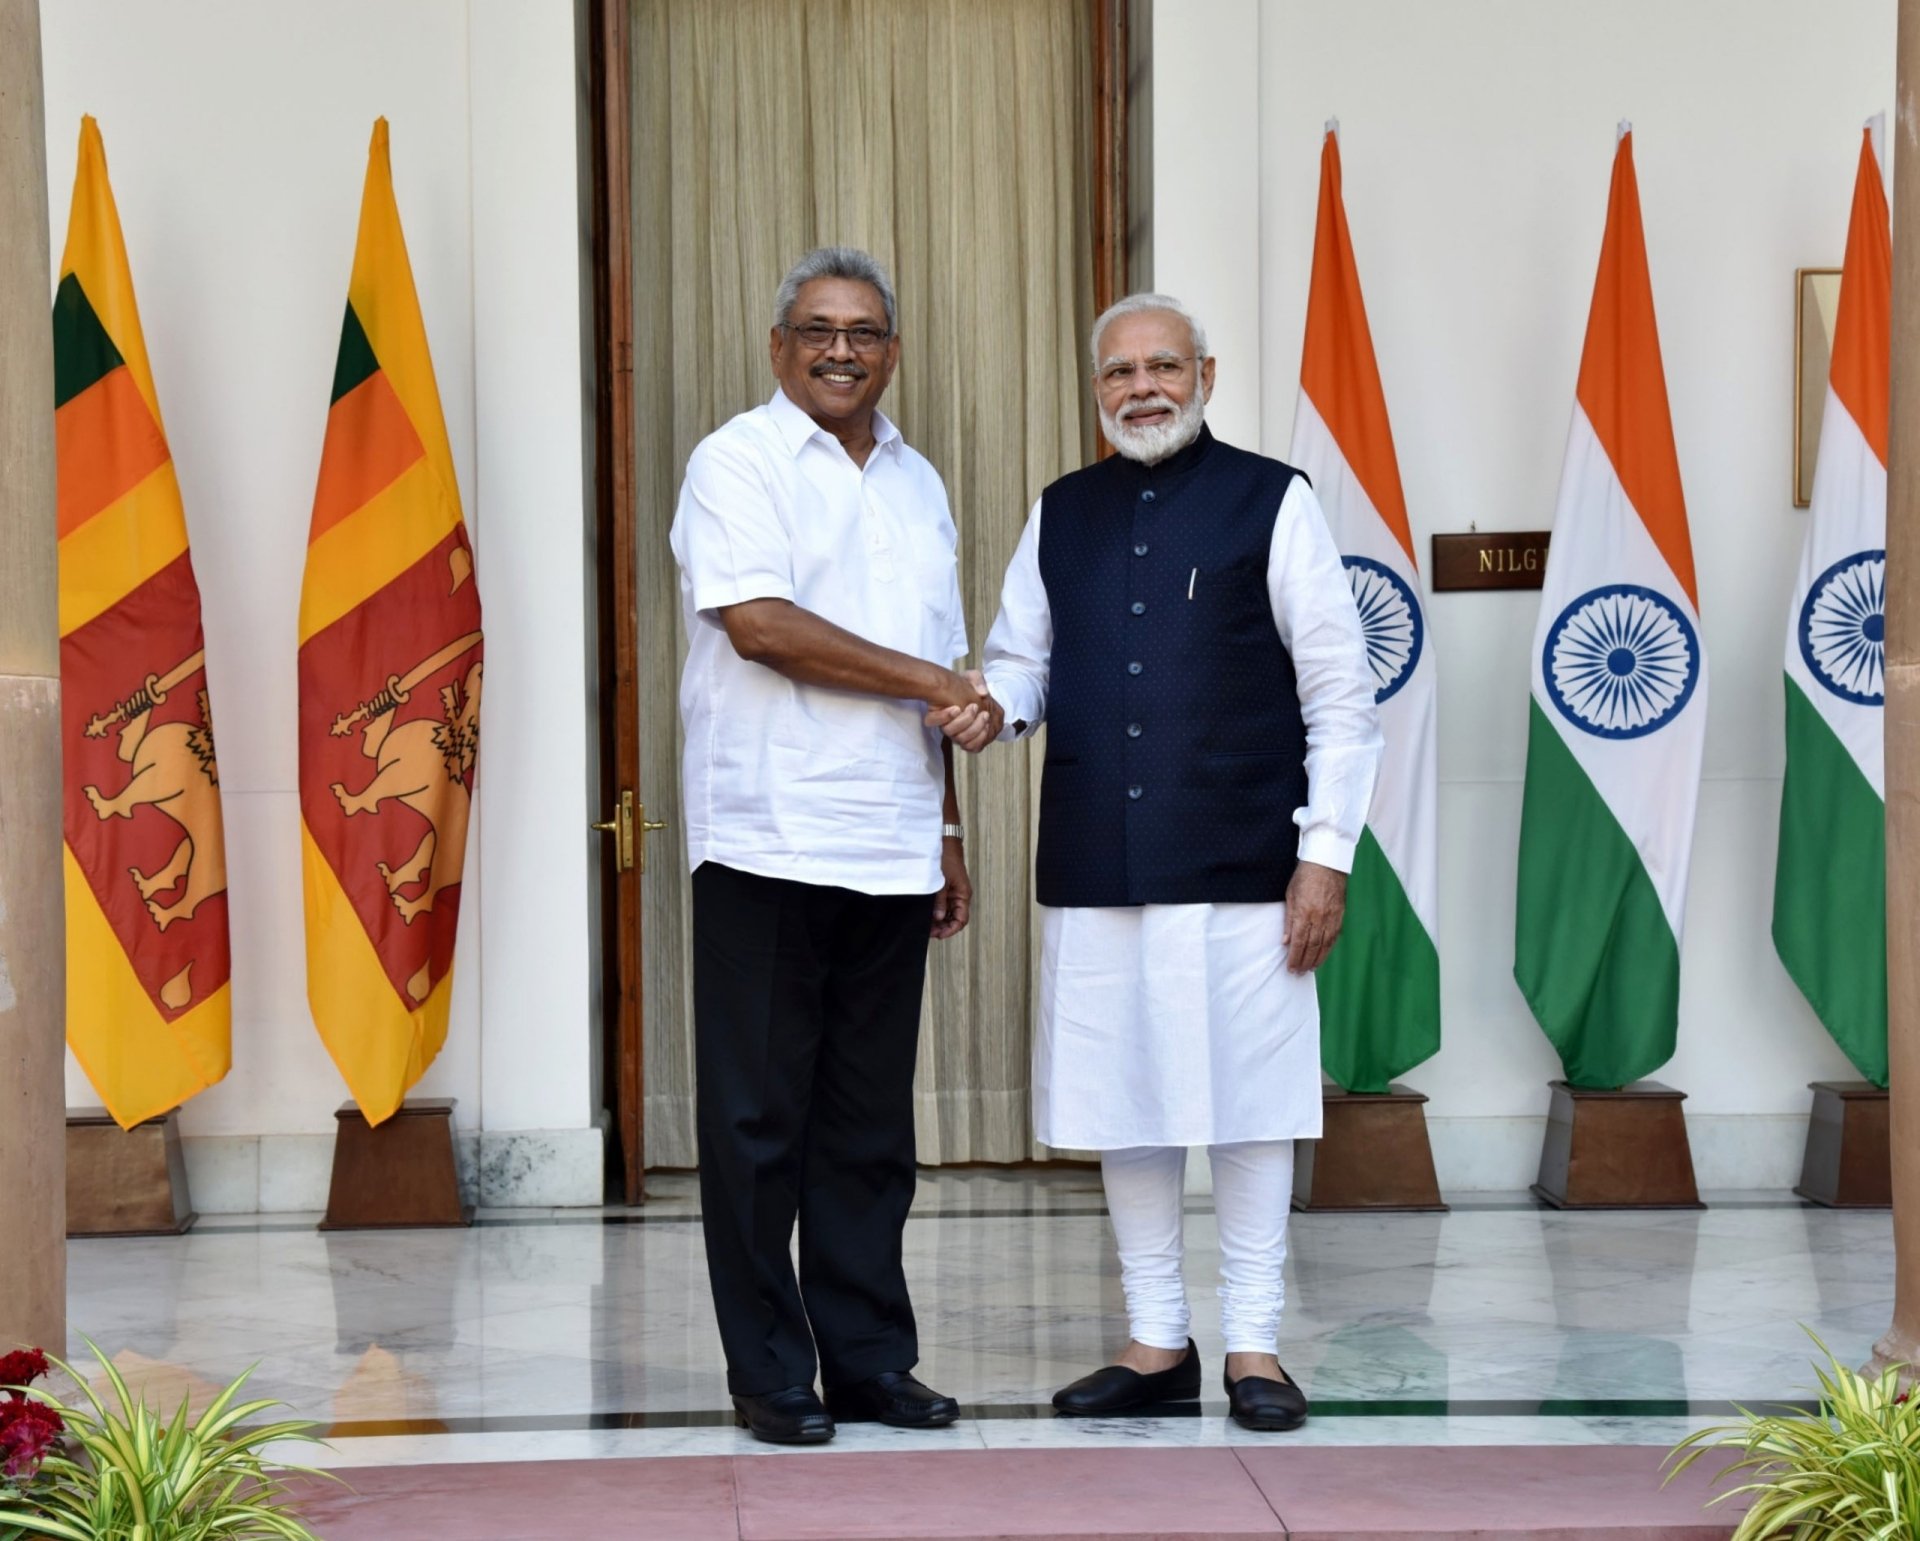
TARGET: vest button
(1147,496)
(1135,792)
(1139,608)
(1141,549)
(1133,730)
(1135,668)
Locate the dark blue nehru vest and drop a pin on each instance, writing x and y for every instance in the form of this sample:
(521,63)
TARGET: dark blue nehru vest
(1176,753)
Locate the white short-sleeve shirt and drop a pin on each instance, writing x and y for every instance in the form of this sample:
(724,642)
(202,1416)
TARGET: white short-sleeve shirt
(798,781)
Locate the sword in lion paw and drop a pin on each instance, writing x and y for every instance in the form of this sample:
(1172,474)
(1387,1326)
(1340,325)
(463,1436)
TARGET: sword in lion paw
(149,695)
(400,688)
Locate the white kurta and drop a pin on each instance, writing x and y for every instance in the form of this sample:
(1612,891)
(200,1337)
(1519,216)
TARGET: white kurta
(1178,1024)
(827,787)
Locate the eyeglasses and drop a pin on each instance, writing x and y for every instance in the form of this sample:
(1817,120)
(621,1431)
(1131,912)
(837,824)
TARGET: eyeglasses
(1162,369)
(862,339)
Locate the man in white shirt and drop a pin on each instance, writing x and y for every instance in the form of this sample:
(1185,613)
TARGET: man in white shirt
(1180,618)
(822,604)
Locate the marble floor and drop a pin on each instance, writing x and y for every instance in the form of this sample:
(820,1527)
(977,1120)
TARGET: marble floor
(561,1335)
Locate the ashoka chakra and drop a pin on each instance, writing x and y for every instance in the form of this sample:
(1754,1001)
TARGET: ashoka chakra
(1390,621)
(1621,661)
(1843,628)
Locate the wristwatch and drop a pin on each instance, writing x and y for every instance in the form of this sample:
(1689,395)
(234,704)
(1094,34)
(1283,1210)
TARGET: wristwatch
(953,831)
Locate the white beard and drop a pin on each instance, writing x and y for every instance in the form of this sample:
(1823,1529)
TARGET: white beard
(1151,445)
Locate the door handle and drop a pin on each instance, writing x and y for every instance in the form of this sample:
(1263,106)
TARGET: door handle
(621,826)
(647,827)
(630,815)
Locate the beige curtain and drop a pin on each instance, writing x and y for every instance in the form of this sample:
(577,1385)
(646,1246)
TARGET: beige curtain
(951,139)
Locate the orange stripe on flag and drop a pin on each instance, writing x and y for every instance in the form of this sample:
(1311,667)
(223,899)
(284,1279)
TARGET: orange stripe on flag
(370,442)
(107,444)
(1623,389)
(1337,367)
(1863,331)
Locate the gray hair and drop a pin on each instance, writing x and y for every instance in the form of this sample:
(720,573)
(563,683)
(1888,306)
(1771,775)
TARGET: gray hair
(833,262)
(1133,304)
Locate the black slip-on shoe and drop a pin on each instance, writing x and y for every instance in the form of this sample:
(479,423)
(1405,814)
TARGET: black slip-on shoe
(790,1417)
(1272,1406)
(894,1398)
(1116,1388)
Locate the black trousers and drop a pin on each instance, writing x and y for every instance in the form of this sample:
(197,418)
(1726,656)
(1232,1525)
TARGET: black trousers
(806,1005)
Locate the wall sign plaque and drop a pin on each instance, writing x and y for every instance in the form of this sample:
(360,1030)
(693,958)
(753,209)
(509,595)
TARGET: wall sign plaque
(1499,559)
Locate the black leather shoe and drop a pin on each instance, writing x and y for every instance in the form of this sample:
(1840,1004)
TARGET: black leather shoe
(790,1417)
(1116,1388)
(896,1399)
(1270,1405)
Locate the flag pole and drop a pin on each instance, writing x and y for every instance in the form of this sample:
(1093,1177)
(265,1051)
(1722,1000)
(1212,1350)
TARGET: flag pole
(33,1196)
(1901,1345)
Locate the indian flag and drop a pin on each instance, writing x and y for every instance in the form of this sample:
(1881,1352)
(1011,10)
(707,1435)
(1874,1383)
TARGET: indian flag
(1829,898)
(1380,987)
(390,652)
(1619,710)
(148,999)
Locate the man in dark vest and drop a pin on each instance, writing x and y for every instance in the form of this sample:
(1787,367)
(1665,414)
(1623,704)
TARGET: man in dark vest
(1179,617)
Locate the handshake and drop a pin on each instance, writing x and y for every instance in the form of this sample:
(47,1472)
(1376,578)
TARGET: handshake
(964,710)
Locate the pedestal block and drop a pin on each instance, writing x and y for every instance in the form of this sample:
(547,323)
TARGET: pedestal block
(126,1182)
(1624,1148)
(1373,1155)
(399,1175)
(1849,1159)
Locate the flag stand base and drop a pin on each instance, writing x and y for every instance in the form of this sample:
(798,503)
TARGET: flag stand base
(1373,1155)
(1849,1158)
(399,1175)
(1622,1148)
(126,1182)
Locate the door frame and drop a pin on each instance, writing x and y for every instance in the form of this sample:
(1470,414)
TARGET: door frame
(623,1025)
(615,515)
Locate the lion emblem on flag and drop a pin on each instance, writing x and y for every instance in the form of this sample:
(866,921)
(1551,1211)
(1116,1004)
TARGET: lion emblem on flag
(173,771)
(425,764)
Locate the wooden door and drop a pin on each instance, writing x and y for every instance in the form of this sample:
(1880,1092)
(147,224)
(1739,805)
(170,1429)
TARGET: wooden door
(623,824)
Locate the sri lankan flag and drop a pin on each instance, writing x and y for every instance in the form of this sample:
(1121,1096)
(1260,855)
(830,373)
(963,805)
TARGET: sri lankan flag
(146,867)
(389,684)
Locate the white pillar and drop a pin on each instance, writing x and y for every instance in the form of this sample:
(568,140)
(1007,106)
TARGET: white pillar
(33,1195)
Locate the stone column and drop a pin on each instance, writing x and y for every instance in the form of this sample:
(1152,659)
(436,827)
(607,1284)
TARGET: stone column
(33,1197)
(1901,1345)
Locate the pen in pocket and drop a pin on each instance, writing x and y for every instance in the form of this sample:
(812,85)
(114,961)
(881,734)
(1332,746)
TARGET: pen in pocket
(1190,581)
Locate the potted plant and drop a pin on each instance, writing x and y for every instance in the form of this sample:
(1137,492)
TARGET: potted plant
(1850,1468)
(87,1472)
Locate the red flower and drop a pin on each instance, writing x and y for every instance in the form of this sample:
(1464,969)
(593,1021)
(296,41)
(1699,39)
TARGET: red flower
(21,1368)
(28,1430)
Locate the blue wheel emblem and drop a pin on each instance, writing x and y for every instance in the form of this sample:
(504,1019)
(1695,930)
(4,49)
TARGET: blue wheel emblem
(1389,620)
(1621,661)
(1843,628)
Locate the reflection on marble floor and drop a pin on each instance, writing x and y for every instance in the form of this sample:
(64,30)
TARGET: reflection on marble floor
(1496,1324)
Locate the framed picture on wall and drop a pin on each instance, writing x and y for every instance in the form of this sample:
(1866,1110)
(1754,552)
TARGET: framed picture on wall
(1816,302)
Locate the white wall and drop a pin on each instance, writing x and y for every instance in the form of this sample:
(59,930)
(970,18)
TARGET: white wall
(236,135)
(1477,139)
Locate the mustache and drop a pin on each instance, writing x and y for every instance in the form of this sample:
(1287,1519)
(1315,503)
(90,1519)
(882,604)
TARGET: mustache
(1135,409)
(828,366)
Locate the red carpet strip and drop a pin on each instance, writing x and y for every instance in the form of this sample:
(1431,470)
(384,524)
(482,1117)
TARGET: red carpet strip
(1308,1493)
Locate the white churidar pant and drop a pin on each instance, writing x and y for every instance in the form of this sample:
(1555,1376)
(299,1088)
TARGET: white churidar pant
(1252,1193)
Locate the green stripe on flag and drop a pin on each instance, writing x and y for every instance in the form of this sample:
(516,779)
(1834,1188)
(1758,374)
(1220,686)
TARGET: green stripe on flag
(1380,986)
(83,353)
(355,361)
(1593,952)
(1830,888)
